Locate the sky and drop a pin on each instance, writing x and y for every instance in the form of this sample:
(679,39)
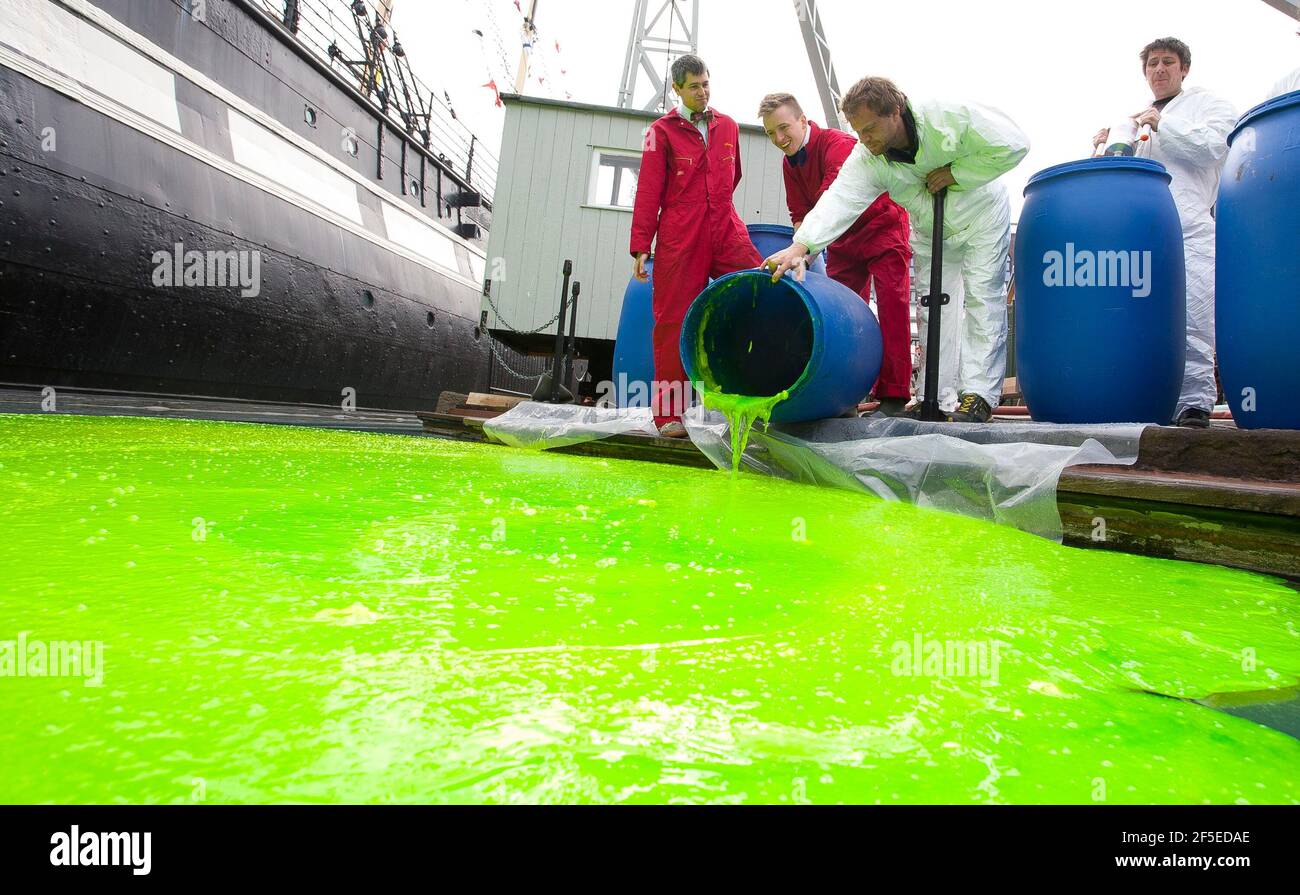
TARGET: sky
(1061,70)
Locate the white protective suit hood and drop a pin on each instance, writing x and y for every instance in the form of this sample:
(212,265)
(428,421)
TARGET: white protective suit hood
(1289,84)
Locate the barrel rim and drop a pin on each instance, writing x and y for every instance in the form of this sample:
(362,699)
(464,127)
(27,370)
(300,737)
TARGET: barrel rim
(818,345)
(1092,165)
(1267,107)
(783,229)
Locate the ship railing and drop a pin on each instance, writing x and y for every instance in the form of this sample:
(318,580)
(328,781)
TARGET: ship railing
(355,38)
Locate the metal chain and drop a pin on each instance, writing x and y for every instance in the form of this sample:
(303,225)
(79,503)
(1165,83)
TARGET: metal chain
(527,377)
(522,332)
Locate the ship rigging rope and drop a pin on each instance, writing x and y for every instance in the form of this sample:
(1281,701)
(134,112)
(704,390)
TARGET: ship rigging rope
(320,26)
(500,42)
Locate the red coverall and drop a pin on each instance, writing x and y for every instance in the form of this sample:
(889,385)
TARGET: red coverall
(683,194)
(876,247)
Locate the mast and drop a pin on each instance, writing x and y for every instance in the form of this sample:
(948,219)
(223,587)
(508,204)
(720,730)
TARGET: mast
(670,35)
(529,35)
(819,54)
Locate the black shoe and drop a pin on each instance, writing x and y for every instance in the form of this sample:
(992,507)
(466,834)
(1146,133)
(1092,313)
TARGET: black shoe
(1193,418)
(892,406)
(914,413)
(972,409)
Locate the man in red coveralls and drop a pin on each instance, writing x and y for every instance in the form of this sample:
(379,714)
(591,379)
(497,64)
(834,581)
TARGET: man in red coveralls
(690,165)
(875,248)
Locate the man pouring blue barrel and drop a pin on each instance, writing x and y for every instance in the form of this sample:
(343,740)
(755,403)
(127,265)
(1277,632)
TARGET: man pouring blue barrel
(913,150)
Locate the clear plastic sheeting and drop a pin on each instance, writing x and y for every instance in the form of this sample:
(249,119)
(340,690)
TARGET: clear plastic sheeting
(1002,472)
(540,426)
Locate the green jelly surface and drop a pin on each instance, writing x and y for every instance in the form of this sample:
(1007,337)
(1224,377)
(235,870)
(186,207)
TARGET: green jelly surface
(298,615)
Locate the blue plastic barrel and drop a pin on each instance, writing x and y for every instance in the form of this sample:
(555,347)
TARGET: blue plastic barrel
(1257,267)
(1101,311)
(772,238)
(746,335)
(634,360)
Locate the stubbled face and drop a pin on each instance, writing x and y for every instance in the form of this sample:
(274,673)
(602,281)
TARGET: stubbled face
(1165,73)
(878,132)
(695,92)
(785,129)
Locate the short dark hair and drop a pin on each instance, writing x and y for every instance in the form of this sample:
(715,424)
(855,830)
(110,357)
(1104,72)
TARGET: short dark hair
(1173,45)
(880,95)
(774,101)
(690,64)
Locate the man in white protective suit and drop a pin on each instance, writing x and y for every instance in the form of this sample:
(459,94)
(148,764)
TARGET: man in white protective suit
(1189,136)
(911,150)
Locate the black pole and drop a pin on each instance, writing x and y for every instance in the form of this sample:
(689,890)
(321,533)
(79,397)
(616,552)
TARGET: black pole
(571,347)
(935,302)
(559,332)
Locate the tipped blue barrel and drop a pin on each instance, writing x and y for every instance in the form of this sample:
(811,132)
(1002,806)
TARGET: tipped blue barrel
(1101,307)
(772,238)
(746,335)
(634,361)
(1257,267)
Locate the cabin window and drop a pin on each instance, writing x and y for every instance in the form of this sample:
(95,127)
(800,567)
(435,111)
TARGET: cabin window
(613,178)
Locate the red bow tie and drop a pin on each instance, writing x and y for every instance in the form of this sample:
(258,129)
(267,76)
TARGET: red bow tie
(706,115)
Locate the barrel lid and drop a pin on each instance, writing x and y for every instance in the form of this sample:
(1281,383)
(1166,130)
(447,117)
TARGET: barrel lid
(1108,162)
(1265,108)
(782,229)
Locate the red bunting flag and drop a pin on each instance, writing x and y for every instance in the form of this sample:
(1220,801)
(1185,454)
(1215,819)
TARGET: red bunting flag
(497,93)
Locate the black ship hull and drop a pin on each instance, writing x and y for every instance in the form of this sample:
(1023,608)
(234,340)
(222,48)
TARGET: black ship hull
(107,216)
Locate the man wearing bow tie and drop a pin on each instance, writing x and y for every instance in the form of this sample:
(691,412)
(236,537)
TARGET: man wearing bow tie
(875,248)
(690,166)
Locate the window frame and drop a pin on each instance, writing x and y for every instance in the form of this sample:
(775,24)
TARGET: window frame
(597,153)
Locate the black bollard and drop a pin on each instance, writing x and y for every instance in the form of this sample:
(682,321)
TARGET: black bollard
(559,333)
(572,345)
(935,302)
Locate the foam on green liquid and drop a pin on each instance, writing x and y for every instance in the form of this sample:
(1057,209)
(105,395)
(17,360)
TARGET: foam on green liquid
(293,615)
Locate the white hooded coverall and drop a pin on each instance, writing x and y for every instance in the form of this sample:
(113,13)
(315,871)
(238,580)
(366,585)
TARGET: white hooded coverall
(1288,84)
(980,144)
(1192,142)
